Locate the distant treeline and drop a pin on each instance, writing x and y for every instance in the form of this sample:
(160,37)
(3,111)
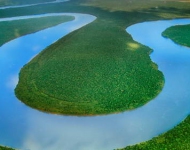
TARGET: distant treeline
(179,34)
(21,2)
(14,29)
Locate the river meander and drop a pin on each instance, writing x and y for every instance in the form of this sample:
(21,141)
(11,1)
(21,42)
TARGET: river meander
(26,128)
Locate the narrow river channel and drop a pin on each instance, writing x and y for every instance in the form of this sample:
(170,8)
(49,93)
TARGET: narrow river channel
(26,128)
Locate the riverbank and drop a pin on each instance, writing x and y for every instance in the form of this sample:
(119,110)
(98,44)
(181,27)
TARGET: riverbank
(179,34)
(175,139)
(14,29)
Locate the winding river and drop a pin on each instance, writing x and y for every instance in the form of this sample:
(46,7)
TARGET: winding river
(26,128)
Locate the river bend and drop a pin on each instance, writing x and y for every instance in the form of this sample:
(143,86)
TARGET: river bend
(26,128)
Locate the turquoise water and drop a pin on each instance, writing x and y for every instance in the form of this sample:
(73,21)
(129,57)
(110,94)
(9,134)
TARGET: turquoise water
(26,128)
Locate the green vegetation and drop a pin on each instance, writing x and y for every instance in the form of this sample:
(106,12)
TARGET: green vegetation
(162,8)
(175,139)
(103,71)
(21,2)
(90,79)
(14,29)
(121,14)
(5,148)
(179,34)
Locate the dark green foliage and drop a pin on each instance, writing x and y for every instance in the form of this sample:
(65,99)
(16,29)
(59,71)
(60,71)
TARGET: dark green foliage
(179,34)
(102,71)
(98,69)
(132,14)
(175,139)
(5,148)
(13,29)
(21,2)
(94,78)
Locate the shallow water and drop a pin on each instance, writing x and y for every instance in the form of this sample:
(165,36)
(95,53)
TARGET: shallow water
(26,128)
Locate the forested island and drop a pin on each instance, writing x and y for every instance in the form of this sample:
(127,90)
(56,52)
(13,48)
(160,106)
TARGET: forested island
(179,34)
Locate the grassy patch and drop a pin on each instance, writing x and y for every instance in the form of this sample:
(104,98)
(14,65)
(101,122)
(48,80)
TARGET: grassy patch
(14,29)
(175,139)
(179,34)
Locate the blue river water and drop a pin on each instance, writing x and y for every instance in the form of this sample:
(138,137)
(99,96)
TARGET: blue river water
(26,128)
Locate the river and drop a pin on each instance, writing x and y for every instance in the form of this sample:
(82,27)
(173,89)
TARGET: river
(26,128)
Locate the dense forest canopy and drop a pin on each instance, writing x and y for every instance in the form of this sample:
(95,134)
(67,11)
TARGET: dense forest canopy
(21,2)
